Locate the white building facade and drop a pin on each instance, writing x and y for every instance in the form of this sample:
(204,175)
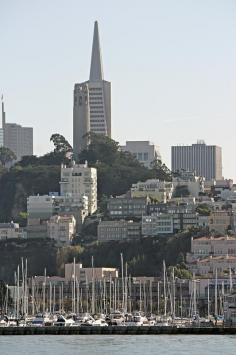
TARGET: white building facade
(62,228)
(79,180)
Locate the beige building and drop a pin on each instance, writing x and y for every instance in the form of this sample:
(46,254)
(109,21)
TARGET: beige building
(220,221)
(62,228)
(87,274)
(209,265)
(210,245)
(77,181)
(160,191)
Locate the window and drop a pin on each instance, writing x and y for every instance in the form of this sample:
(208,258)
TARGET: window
(145,156)
(140,156)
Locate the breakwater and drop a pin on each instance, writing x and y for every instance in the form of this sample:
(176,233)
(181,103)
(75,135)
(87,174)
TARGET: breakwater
(116,330)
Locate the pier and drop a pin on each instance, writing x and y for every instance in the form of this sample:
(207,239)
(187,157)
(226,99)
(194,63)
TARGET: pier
(117,330)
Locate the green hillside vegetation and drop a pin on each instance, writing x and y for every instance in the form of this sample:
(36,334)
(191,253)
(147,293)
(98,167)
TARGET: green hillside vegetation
(144,257)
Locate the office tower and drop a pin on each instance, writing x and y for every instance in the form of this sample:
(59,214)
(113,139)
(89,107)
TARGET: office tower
(144,151)
(204,160)
(92,101)
(15,137)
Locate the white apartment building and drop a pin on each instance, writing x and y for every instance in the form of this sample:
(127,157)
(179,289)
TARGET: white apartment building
(79,180)
(160,191)
(144,151)
(10,231)
(194,184)
(61,228)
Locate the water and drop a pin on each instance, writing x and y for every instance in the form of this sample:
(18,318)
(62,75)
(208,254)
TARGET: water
(118,344)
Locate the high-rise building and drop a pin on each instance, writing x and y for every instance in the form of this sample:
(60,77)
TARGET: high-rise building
(204,160)
(92,101)
(15,137)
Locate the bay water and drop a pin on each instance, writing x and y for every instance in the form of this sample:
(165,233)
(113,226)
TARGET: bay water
(118,344)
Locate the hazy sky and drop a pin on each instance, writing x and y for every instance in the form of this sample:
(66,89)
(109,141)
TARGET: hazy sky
(172,64)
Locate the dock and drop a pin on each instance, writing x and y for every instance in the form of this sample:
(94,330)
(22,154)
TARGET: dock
(117,330)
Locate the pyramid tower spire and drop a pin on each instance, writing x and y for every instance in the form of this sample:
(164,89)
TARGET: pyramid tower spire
(96,71)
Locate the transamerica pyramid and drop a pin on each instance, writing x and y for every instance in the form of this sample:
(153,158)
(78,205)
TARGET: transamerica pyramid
(92,101)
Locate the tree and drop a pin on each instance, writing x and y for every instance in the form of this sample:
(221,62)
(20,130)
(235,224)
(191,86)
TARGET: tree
(6,156)
(117,170)
(61,145)
(203,209)
(160,170)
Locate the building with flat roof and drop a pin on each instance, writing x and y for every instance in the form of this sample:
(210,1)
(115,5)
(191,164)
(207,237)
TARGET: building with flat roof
(123,207)
(204,160)
(16,138)
(79,180)
(62,228)
(118,230)
(144,151)
(92,101)
(88,273)
(157,224)
(161,191)
(10,230)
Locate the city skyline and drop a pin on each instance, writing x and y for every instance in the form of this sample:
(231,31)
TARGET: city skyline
(179,67)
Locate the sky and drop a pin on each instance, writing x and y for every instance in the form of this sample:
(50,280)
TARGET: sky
(172,65)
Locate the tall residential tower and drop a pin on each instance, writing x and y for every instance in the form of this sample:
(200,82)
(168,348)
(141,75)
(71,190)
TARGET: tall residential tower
(92,101)
(204,160)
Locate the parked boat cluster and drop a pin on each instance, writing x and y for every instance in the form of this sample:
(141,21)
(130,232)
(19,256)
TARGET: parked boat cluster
(116,318)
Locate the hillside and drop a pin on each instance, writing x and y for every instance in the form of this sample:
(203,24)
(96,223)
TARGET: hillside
(143,257)
(39,253)
(20,182)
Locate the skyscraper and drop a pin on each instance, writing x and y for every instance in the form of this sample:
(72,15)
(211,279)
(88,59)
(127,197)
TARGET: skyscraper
(92,101)
(15,137)
(204,160)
